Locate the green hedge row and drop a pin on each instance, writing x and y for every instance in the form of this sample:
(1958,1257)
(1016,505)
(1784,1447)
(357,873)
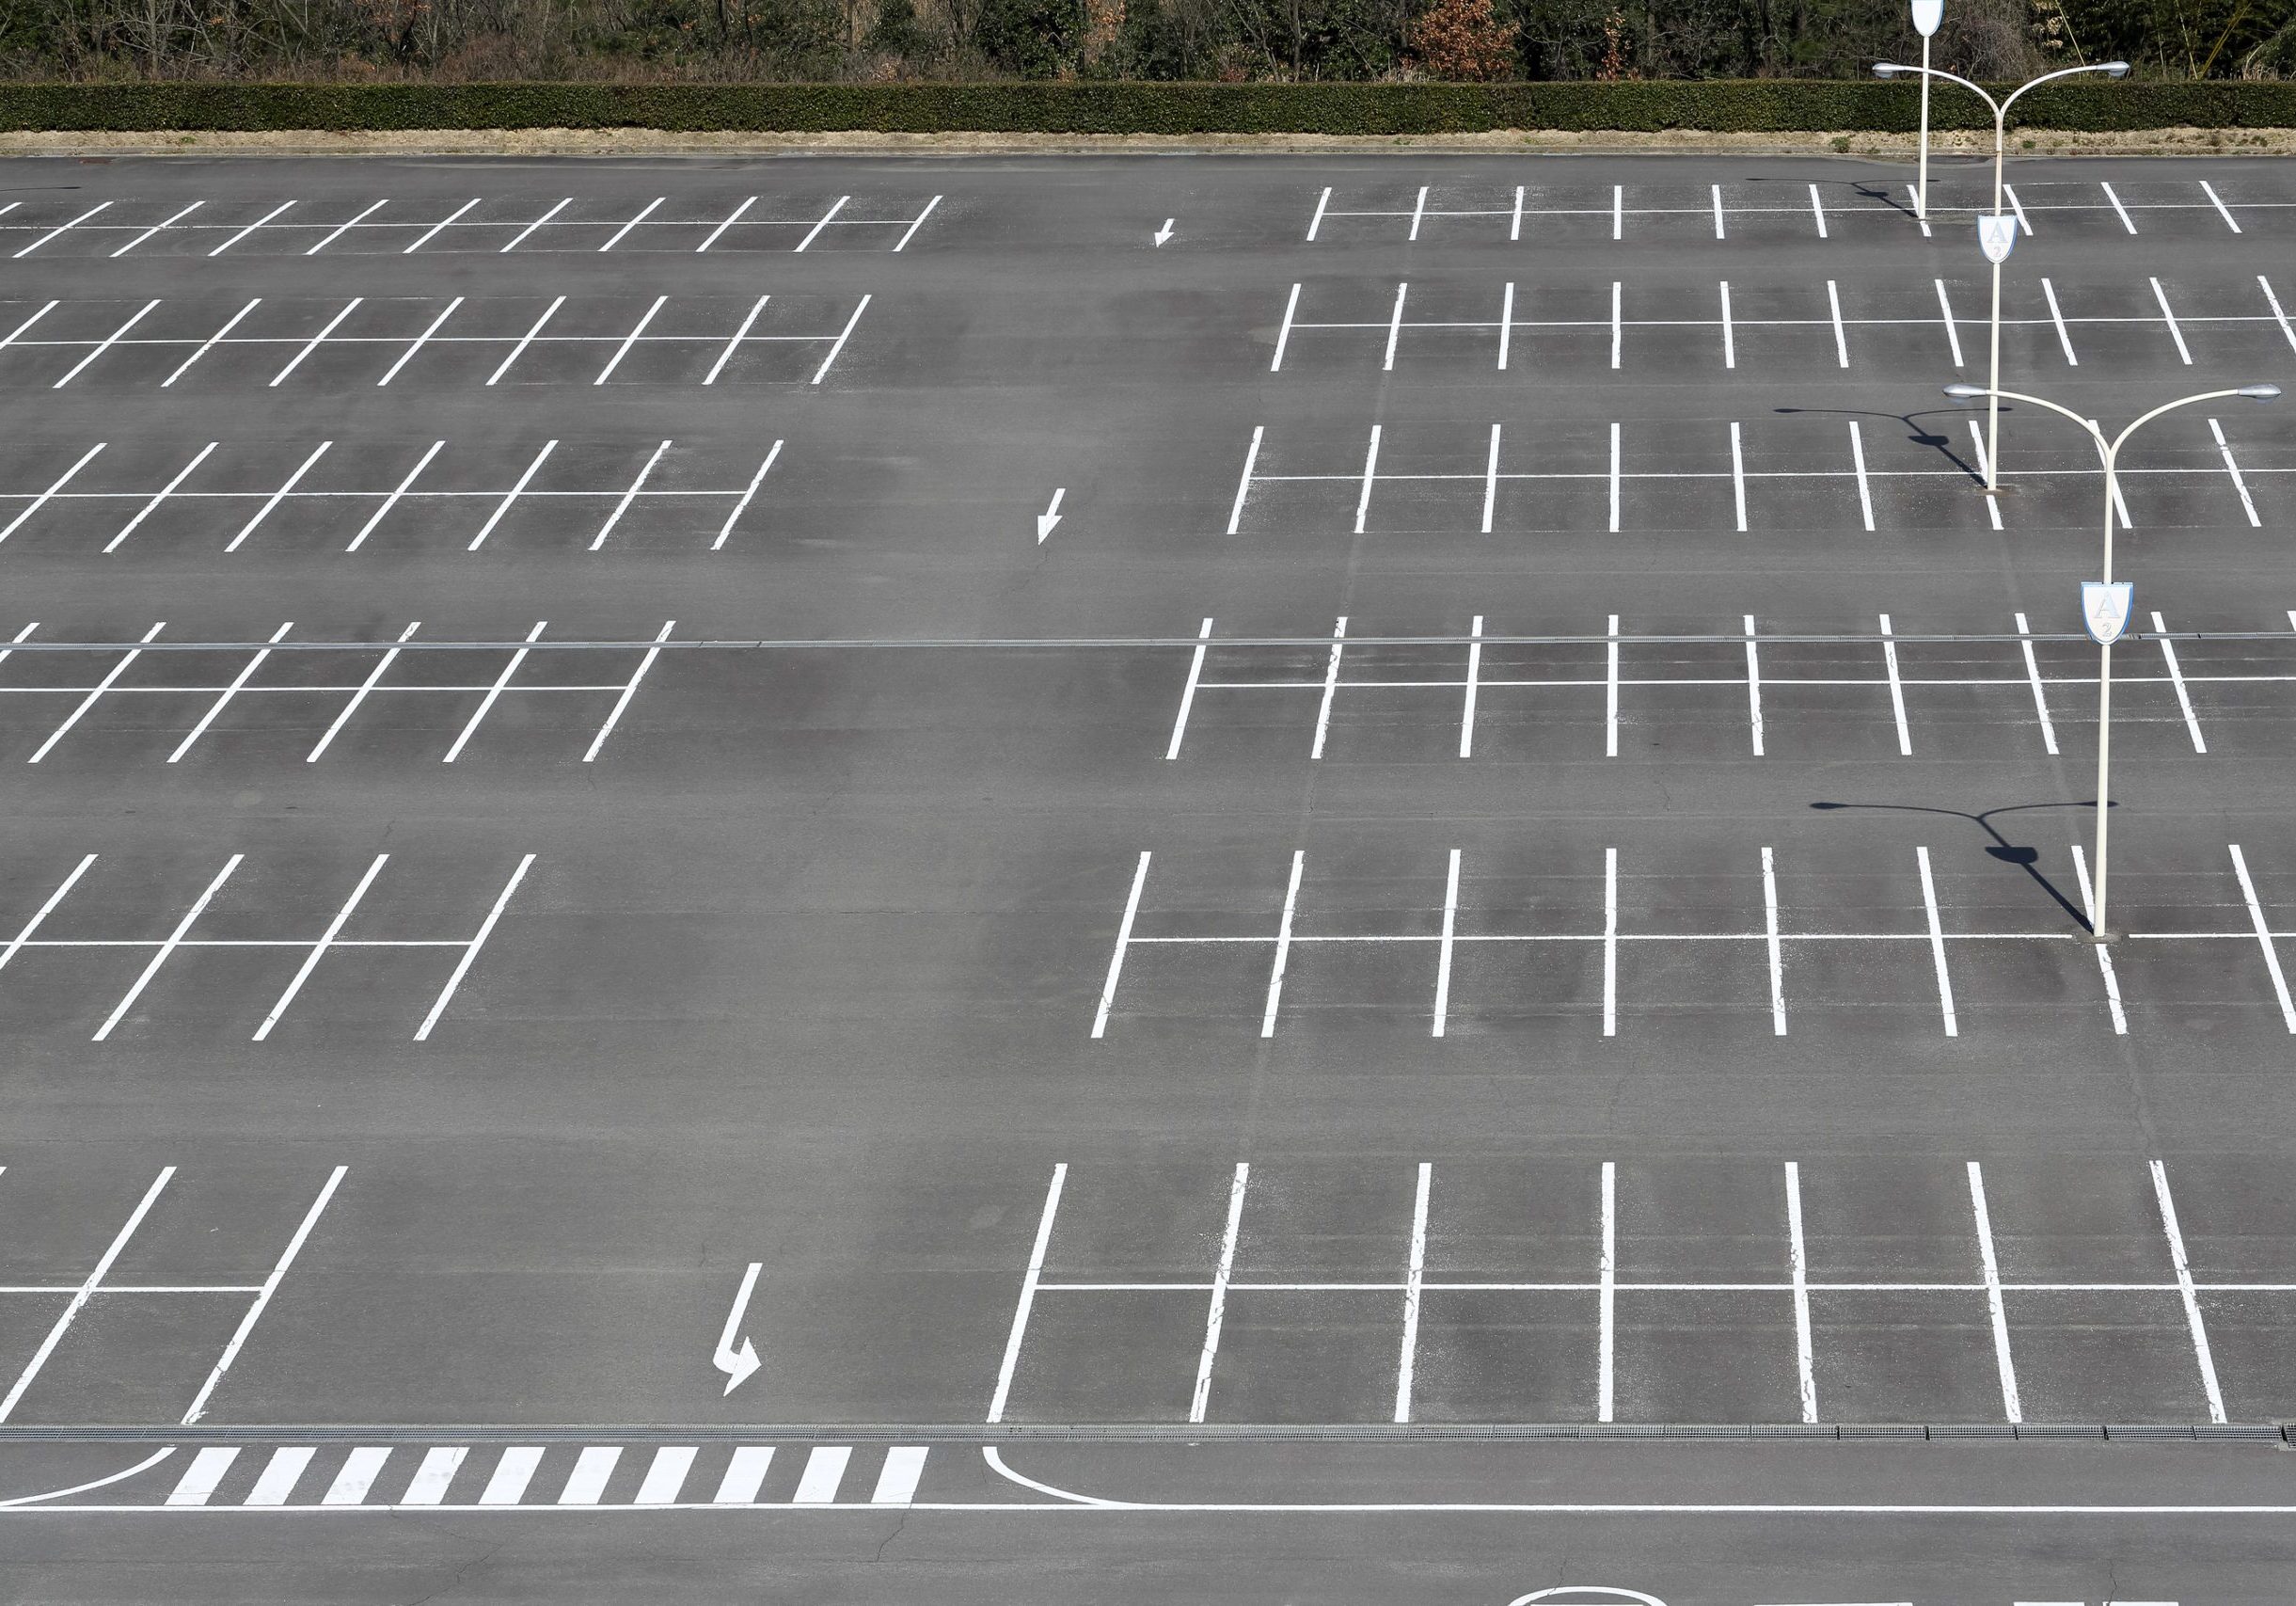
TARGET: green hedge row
(1772,105)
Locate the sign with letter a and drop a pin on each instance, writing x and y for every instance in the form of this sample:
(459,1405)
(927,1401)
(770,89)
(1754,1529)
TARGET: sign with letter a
(1996,235)
(2104,609)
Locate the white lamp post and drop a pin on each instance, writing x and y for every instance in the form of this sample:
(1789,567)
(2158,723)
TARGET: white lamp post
(1927,15)
(2001,232)
(2104,608)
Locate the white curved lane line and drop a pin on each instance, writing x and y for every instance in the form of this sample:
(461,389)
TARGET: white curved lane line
(144,1465)
(996,1462)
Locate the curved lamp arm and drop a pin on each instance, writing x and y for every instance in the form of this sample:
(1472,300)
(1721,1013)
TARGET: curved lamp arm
(2116,69)
(2000,107)
(2244,393)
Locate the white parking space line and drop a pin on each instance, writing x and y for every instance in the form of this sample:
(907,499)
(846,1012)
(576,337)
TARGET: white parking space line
(1718,211)
(2222,210)
(1992,503)
(526,340)
(1490,482)
(1857,460)
(1395,327)
(65,229)
(493,694)
(2195,1324)
(223,700)
(432,232)
(1418,210)
(1729,338)
(842,335)
(731,345)
(1370,470)
(1614,478)
(391,501)
(613,715)
(1215,1315)
(1443,961)
(826,217)
(1738,474)
(319,949)
(2264,938)
(631,339)
(503,507)
(209,345)
(316,341)
(1754,688)
(1777,953)
(1610,702)
(1937,944)
(2040,696)
(2103,950)
(1946,314)
(1798,1262)
(10,339)
(2127,222)
(340,229)
(1124,937)
(159,228)
(748,494)
(1817,210)
(2175,677)
(1466,711)
(1331,687)
(2286,331)
(1283,332)
(519,238)
(1618,211)
(1032,1278)
(251,229)
(1506,324)
(1316,223)
(620,234)
(2005,1363)
(2232,468)
(2170,318)
(1833,305)
(79,1302)
(629,496)
(1610,944)
(731,218)
(1897,689)
(276,497)
(110,679)
(106,344)
(375,676)
(2024,224)
(915,224)
(158,497)
(1618,327)
(2056,316)
(166,949)
(45,497)
(1283,946)
(1415,1271)
(41,915)
(471,952)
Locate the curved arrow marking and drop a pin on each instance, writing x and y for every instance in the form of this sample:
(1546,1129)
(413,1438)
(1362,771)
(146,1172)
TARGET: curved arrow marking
(738,1365)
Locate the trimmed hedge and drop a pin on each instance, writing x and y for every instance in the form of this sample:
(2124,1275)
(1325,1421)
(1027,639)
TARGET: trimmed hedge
(1767,105)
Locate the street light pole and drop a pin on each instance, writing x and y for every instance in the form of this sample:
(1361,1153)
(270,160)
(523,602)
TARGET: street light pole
(1927,14)
(2110,452)
(2001,119)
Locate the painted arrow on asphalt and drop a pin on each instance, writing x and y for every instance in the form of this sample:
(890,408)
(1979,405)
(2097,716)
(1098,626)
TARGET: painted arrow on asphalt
(1163,234)
(738,1365)
(1050,516)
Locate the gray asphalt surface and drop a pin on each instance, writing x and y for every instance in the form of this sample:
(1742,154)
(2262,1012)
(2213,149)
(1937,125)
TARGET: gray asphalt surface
(1511,858)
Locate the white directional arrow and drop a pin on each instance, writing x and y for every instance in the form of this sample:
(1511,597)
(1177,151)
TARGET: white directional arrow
(737,1363)
(1163,234)
(1050,516)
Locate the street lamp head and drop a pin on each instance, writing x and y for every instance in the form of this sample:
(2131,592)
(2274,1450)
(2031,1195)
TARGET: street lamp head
(1961,392)
(2260,392)
(1889,69)
(2116,70)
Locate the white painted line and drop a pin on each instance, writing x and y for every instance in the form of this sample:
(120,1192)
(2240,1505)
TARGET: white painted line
(2065,337)
(749,492)
(1371,468)
(1953,331)
(1817,210)
(1618,211)
(251,227)
(65,229)
(156,228)
(2239,484)
(902,244)
(2003,1362)
(1395,327)
(1857,458)
(897,1481)
(526,340)
(1833,303)
(1937,944)
(389,502)
(631,339)
(1442,961)
(1606,1386)
(493,693)
(824,1471)
(1029,1281)
(277,1479)
(436,1473)
(2024,224)
(665,1476)
(1776,950)
(615,239)
(2040,697)
(736,215)
(1467,712)
(61,481)
(420,340)
(41,915)
(2175,677)
(2264,939)
(1610,700)
(591,1468)
(2103,951)
(1415,1271)
(2202,1355)
(354,1481)
(1506,327)
(89,701)
(1283,333)
(374,678)
(2170,318)
(1611,942)
(10,338)
(319,949)
(2266,284)
(271,1282)
(316,341)
(470,953)
(512,1471)
(424,238)
(209,345)
(276,497)
(79,1300)
(745,1471)
(206,1472)
(1738,474)
(629,496)
(1753,689)
(2222,211)
(1283,946)
(2127,222)
(1993,504)
(1243,486)
(1614,477)
(343,228)
(515,491)
(518,239)
(1331,687)
(1718,211)
(1215,1313)
(826,218)
(1317,221)
(1618,325)
(222,699)
(1798,1256)
(1490,482)
(1897,689)
(1418,210)
(73,371)
(842,335)
(1124,938)
(149,508)
(615,715)
(1187,702)
(1730,336)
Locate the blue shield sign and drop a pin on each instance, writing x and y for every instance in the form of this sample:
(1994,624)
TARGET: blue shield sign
(1996,237)
(2104,609)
